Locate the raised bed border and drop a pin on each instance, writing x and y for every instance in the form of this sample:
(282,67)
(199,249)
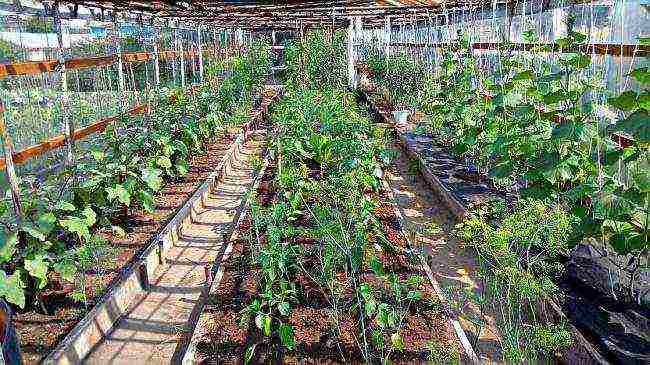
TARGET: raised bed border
(217,269)
(453,318)
(460,211)
(133,277)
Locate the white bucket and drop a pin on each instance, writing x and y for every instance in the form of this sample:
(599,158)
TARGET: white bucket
(401,116)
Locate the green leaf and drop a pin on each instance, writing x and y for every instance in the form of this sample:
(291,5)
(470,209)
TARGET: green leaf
(152,178)
(501,170)
(65,206)
(613,156)
(642,180)
(577,37)
(248,355)
(38,267)
(90,217)
(377,338)
(181,147)
(628,241)
(11,288)
(97,154)
(524,75)
(644,101)
(147,201)
(284,308)
(370,306)
(626,101)
(76,225)
(118,191)
(550,77)
(66,269)
(397,341)
(182,167)
(164,162)
(642,75)
(414,280)
(580,61)
(266,325)
(568,130)
(414,295)
(376,266)
(33,231)
(555,97)
(118,231)
(46,222)
(637,124)
(383,315)
(8,242)
(286,335)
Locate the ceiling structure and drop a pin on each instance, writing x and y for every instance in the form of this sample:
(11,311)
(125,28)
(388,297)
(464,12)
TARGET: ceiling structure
(301,13)
(276,13)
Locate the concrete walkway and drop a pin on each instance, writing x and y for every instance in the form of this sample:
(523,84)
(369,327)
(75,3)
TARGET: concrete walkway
(160,323)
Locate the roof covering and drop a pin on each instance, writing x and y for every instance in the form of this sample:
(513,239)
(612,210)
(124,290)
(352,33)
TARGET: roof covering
(274,12)
(294,13)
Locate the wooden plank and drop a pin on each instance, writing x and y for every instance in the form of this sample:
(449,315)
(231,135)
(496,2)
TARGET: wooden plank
(624,50)
(36,68)
(79,63)
(27,68)
(59,141)
(136,57)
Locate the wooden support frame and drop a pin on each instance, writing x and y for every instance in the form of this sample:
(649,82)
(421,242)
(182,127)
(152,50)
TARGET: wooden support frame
(179,44)
(156,63)
(8,165)
(200,51)
(351,54)
(66,121)
(602,49)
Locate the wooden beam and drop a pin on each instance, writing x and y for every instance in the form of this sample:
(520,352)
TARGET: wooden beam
(35,68)
(625,50)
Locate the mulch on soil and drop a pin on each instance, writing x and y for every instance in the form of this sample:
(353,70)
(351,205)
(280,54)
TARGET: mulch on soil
(40,333)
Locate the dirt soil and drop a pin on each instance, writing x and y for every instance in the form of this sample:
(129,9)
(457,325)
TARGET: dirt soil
(40,333)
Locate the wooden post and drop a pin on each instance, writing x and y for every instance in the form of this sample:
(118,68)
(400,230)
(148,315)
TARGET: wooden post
(179,40)
(12,178)
(66,121)
(351,55)
(215,45)
(560,27)
(200,48)
(387,35)
(156,62)
(173,45)
(120,66)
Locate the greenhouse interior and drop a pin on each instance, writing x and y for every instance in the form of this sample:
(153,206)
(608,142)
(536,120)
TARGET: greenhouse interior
(320,182)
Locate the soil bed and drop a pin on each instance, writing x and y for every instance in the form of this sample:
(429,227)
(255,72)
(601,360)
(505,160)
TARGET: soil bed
(39,333)
(321,334)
